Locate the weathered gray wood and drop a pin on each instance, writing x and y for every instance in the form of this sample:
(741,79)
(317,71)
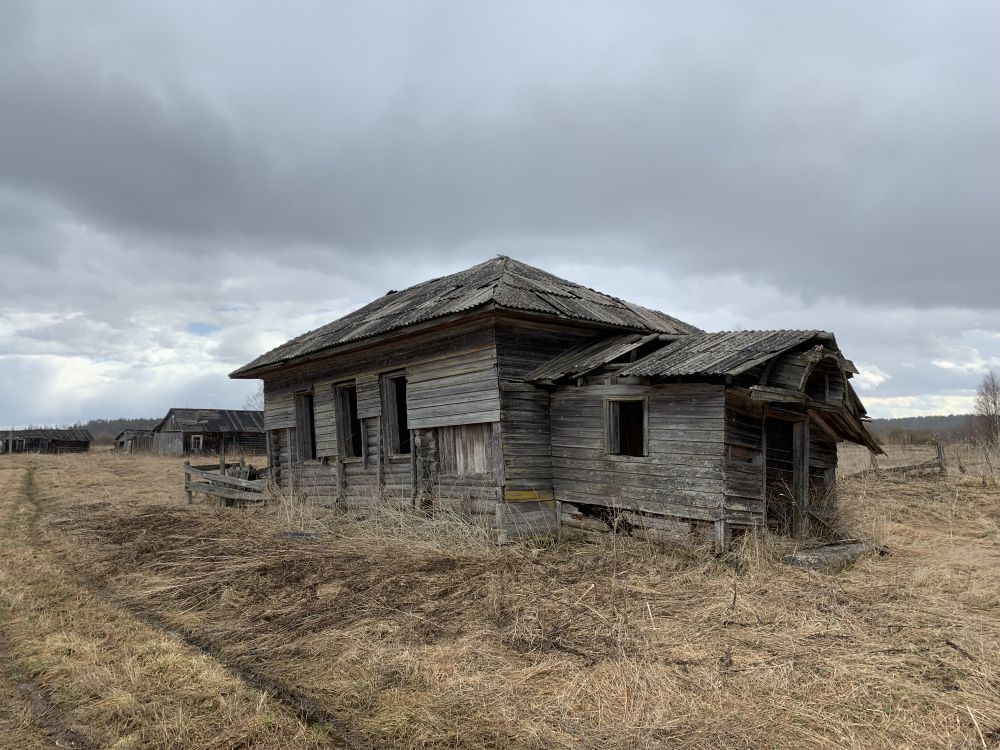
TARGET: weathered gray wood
(249,484)
(800,459)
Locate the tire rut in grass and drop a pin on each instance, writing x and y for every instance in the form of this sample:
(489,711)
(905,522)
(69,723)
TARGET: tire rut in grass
(298,702)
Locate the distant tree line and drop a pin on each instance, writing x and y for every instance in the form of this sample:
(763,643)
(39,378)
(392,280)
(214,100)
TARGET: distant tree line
(982,426)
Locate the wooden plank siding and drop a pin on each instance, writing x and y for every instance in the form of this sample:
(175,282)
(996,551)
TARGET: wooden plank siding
(522,346)
(744,481)
(451,381)
(682,474)
(454,389)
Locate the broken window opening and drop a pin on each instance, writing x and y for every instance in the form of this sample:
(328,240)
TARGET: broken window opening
(351,435)
(305,426)
(627,428)
(395,411)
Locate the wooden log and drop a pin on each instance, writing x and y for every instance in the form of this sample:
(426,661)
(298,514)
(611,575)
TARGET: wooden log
(187,472)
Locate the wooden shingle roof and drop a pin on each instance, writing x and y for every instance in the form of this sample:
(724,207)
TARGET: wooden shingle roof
(503,282)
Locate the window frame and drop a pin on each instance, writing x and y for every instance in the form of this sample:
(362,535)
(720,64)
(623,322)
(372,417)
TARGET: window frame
(612,444)
(390,414)
(345,431)
(304,403)
(201,442)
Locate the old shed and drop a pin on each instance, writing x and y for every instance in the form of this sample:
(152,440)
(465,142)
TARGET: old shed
(134,441)
(524,400)
(195,431)
(45,440)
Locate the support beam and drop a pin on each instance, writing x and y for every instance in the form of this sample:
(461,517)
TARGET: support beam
(800,481)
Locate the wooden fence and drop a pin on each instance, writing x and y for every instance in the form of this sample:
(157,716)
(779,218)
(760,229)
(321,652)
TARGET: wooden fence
(214,481)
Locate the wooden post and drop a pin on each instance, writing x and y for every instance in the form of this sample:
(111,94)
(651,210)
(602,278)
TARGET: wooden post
(873,459)
(222,458)
(187,478)
(800,478)
(10,441)
(940,457)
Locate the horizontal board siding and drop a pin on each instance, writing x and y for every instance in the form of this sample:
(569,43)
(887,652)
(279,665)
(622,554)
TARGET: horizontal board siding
(279,410)
(744,481)
(454,370)
(456,389)
(325,415)
(523,346)
(682,475)
(369,396)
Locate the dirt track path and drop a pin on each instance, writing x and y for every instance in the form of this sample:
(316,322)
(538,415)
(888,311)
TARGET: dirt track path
(78,671)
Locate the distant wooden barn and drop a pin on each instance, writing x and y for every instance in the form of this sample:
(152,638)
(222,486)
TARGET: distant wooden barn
(193,431)
(525,401)
(72,440)
(134,441)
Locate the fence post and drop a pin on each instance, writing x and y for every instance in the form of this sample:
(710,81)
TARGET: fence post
(874,459)
(187,478)
(222,462)
(940,457)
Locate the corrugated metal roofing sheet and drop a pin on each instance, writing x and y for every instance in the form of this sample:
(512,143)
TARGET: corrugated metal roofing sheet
(588,356)
(503,281)
(212,420)
(722,353)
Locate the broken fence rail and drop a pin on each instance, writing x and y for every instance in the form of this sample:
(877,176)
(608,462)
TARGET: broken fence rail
(202,479)
(936,464)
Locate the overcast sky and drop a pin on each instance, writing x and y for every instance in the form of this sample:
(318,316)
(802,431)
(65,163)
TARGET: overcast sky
(184,185)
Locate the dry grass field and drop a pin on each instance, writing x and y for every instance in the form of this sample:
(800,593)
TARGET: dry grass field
(129,619)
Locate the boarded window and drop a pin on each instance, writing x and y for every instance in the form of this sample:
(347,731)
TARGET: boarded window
(305,426)
(466,450)
(626,424)
(351,436)
(394,409)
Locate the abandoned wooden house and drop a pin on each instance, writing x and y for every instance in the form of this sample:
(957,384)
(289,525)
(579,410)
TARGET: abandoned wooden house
(218,431)
(44,440)
(524,400)
(134,441)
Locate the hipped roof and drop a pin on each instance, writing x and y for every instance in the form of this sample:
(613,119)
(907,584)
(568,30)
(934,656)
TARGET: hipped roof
(503,282)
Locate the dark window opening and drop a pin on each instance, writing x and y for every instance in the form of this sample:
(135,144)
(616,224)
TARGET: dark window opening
(627,423)
(351,424)
(399,430)
(305,426)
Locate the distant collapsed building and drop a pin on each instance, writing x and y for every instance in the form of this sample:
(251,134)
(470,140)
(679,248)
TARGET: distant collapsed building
(46,441)
(525,400)
(192,431)
(134,441)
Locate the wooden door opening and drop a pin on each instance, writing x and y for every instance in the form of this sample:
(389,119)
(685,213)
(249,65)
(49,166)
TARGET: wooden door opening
(786,489)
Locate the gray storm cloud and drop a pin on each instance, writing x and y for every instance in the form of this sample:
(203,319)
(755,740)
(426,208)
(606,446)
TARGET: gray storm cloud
(266,168)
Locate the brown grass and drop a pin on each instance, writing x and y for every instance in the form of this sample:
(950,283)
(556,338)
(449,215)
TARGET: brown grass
(416,632)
